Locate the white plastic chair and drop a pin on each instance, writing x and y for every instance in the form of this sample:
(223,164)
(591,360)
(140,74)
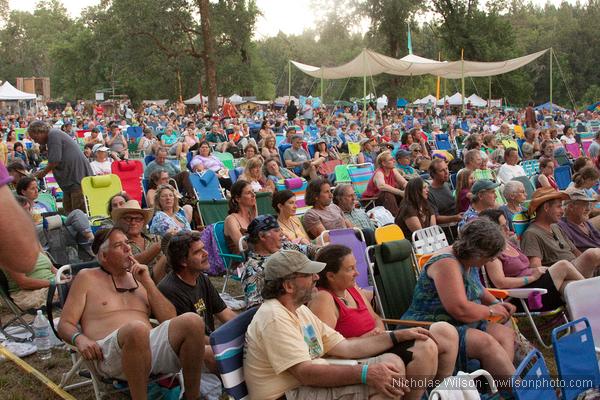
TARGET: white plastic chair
(579,296)
(429,240)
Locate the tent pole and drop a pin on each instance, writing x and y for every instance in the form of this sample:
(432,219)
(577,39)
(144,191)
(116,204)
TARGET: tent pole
(437,86)
(322,98)
(550,80)
(462,78)
(490,94)
(289,80)
(365,89)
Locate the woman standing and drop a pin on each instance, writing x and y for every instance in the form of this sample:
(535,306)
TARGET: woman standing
(284,204)
(415,211)
(242,210)
(169,217)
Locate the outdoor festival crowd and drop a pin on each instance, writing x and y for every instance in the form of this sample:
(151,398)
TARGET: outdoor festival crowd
(478,176)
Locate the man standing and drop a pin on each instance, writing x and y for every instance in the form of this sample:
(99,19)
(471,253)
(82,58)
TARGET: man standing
(65,161)
(440,195)
(286,343)
(112,305)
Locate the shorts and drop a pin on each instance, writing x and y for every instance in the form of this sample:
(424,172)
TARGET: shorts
(550,301)
(164,360)
(27,299)
(349,392)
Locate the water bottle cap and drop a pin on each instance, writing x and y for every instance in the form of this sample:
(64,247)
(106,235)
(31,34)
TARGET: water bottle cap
(39,312)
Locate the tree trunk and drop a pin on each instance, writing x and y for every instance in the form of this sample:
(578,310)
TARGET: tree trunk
(208,55)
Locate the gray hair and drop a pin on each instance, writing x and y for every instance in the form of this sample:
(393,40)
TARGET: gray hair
(497,156)
(471,155)
(479,238)
(512,187)
(339,191)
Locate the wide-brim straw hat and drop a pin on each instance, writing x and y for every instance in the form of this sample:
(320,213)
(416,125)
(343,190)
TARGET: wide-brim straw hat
(544,194)
(132,207)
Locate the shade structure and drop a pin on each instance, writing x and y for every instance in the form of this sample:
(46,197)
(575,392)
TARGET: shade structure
(9,92)
(369,63)
(196,100)
(427,99)
(547,107)
(477,101)
(236,99)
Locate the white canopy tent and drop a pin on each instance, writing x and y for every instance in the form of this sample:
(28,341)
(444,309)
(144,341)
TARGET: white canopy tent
(477,101)
(196,100)
(236,99)
(9,92)
(425,100)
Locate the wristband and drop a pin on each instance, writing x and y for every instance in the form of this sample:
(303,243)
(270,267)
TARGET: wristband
(526,280)
(363,374)
(395,340)
(74,337)
(495,302)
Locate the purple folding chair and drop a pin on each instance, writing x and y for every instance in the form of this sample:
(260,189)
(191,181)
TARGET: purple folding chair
(349,238)
(573,149)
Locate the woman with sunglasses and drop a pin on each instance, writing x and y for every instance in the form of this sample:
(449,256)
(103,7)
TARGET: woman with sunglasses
(169,217)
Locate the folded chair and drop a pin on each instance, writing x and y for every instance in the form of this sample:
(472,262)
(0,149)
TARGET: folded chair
(354,239)
(130,173)
(532,381)
(580,298)
(17,320)
(103,387)
(227,344)
(206,185)
(97,191)
(576,360)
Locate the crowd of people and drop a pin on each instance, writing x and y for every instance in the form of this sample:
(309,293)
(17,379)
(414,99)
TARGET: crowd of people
(153,261)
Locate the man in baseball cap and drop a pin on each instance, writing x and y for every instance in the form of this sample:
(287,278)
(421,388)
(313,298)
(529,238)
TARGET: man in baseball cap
(483,197)
(576,222)
(286,343)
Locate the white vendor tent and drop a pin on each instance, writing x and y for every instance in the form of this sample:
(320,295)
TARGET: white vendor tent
(196,100)
(8,92)
(477,101)
(425,100)
(236,99)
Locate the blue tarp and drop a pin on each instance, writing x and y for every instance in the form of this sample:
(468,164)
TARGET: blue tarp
(401,102)
(595,106)
(546,106)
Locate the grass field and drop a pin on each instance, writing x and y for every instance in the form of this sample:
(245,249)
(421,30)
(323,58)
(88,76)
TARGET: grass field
(15,384)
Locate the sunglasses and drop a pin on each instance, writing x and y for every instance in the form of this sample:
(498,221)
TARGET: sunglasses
(560,244)
(123,290)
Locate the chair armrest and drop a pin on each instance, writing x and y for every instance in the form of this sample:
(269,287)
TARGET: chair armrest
(522,293)
(340,361)
(407,322)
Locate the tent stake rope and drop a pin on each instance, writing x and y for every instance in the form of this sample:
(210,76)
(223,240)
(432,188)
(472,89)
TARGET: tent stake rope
(564,80)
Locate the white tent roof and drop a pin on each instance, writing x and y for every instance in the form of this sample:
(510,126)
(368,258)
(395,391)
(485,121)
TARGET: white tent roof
(477,101)
(425,100)
(455,99)
(284,100)
(9,92)
(371,63)
(196,100)
(236,99)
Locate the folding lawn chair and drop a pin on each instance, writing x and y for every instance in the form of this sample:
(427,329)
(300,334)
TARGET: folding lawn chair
(341,174)
(226,158)
(97,191)
(264,203)
(52,186)
(577,295)
(212,211)
(130,173)
(227,343)
(562,175)
(532,381)
(354,239)
(388,233)
(520,223)
(531,167)
(206,185)
(576,360)
(17,320)
(573,149)
(442,142)
(225,254)
(360,174)
(298,187)
(429,240)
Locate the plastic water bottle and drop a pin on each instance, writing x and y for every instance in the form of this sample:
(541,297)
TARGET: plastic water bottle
(41,328)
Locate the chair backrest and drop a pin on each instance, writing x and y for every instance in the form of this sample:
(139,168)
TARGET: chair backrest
(575,356)
(480,174)
(520,222)
(264,203)
(353,148)
(562,175)
(47,200)
(206,185)
(52,186)
(349,238)
(341,174)
(212,211)
(388,233)
(148,159)
(531,167)
(298,187)
(359,177)
(130,173)
(224,251)
(509,143)
(442,142)
(226,158)
(529,188)
(134,133)
(585,144)
(429,240)
(97,191)
(573,149)
(577,295)
(395,276)
(531,380)
(453,178)
(282,148)
(227,343)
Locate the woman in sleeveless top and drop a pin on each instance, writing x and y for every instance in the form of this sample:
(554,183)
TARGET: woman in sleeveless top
(387,184)
(512,270)
(346,308)
(242,210)
(449,289)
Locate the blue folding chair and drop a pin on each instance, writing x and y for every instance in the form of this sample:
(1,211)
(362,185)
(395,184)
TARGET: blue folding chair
(531,167)
(575,356)
(206,185)
(282,148)
(227,343)
(562,175)
(531,380)
(529,188)
(442,142)
(148,159)
(226,256)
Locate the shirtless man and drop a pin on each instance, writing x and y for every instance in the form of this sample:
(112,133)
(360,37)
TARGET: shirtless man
(112,304)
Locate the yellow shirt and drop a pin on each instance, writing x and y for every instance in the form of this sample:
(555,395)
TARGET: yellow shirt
(3,153)
(293,229)
(278,339)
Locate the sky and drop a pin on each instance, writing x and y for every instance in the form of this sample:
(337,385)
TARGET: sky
(288,16)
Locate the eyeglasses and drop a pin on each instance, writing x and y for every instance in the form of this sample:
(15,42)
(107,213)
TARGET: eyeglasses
(133,219)
(560,244)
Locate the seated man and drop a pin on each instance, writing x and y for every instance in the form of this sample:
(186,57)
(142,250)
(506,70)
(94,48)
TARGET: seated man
(544,243)
(30,290)
(161,162)
(575,223)
(323,215)
(264,239)
(189,289)
(286,343)
(440,196)
(484,197)
(112,305)
(298,160)
(345,198)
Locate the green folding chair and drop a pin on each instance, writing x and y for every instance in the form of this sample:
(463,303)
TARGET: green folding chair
(212,211)
(226,159)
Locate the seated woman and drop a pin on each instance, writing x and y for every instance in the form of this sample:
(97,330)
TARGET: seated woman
(19,153)
(546,176)
(250,151)
(269,149)
(586,179)
(157,178)
(170,141)
(449,289)
(204,160)
(275,172)
(415,211)
(324,215)
(242,210)
(515,195)
(254,175)
(511,269)
(386,184)
(168,216)
(367,151)
(148,143)
(265,132)
(284,204)
(345,307)
(77,223)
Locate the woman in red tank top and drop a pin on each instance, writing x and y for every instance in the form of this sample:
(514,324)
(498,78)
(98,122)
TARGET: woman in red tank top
(339,302)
